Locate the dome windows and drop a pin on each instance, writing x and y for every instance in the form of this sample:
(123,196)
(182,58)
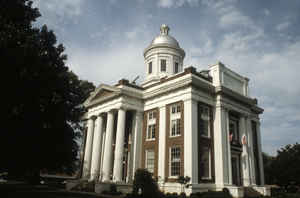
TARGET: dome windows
(163,65)
(150,67)
(176,68)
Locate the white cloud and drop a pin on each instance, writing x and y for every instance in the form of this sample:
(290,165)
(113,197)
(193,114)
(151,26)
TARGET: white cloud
(56,13)
(108,66)
(267,12)
(283,26)
(234,17)
(176,3)
(65,8)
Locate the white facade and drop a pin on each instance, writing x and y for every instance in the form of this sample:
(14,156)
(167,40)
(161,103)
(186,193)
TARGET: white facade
(179,122)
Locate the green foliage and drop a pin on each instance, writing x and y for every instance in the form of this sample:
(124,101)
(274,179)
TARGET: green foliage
(42,97)
(268,168)
(144,183)
(183,181)
(284,169)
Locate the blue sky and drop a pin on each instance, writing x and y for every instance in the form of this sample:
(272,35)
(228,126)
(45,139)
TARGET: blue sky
(260,39)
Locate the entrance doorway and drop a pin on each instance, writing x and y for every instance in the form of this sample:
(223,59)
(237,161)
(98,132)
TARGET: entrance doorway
(236,170)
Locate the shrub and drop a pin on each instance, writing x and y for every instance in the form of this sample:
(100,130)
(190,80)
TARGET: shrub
(143,181)
(193,195)
(112,188)
(182,195)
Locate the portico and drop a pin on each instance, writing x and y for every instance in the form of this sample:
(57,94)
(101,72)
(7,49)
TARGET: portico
(111,144)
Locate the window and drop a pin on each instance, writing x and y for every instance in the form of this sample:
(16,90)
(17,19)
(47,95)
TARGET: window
(175,127)
(151,132)
(163,65)
(175,120)
(175,161)
(150,160)
(205,163)
(150,67)
(176,68)
(175,109)
(204,121)
(151,124)
(233,129)
(151,115)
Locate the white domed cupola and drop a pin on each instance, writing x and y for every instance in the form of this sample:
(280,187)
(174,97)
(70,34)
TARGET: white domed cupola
(163,57)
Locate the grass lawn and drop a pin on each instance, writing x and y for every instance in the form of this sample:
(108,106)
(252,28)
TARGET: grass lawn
(22,190)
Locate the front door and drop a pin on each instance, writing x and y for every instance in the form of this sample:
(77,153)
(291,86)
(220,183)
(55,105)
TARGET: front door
(236,171)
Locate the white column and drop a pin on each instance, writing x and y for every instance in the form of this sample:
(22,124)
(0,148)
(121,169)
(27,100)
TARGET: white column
(162,144)
(261,164)
(119,149)
(221,146)
(228,148)
(244,160)
(137,142)
(191,140)
(96,149)
(88,149)
(251,154)
(102,155)
(107,162)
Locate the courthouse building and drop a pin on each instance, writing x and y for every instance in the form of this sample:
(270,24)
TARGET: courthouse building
(178,122)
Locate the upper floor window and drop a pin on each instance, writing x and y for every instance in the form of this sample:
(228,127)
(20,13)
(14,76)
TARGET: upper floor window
(151,132)
(151,115)
(233,129)
(204,120)
(175,109)
(150,67)
(151,125)
(175,120)
(163,65)
(175,127)
(176,68)
(175,161)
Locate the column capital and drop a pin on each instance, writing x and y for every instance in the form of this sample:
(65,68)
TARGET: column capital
(101,114)
(139,113)
(111,111)
(244,115)
(92,117)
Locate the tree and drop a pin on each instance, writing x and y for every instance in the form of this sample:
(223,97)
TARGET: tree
(286,167)
(268,168)
(43,98)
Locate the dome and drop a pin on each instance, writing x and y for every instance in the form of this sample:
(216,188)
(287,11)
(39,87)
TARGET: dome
(164,42)
(165,38)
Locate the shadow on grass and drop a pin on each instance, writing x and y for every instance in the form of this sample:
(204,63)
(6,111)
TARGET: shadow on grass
(40,191)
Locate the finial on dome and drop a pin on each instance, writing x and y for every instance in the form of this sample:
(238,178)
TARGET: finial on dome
(164,29)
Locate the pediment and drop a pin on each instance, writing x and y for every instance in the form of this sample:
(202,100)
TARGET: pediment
(102,92)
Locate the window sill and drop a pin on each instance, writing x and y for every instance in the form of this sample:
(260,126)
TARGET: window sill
(204,136)
(149,140)
(173,177)
(206,178)
(174,136)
